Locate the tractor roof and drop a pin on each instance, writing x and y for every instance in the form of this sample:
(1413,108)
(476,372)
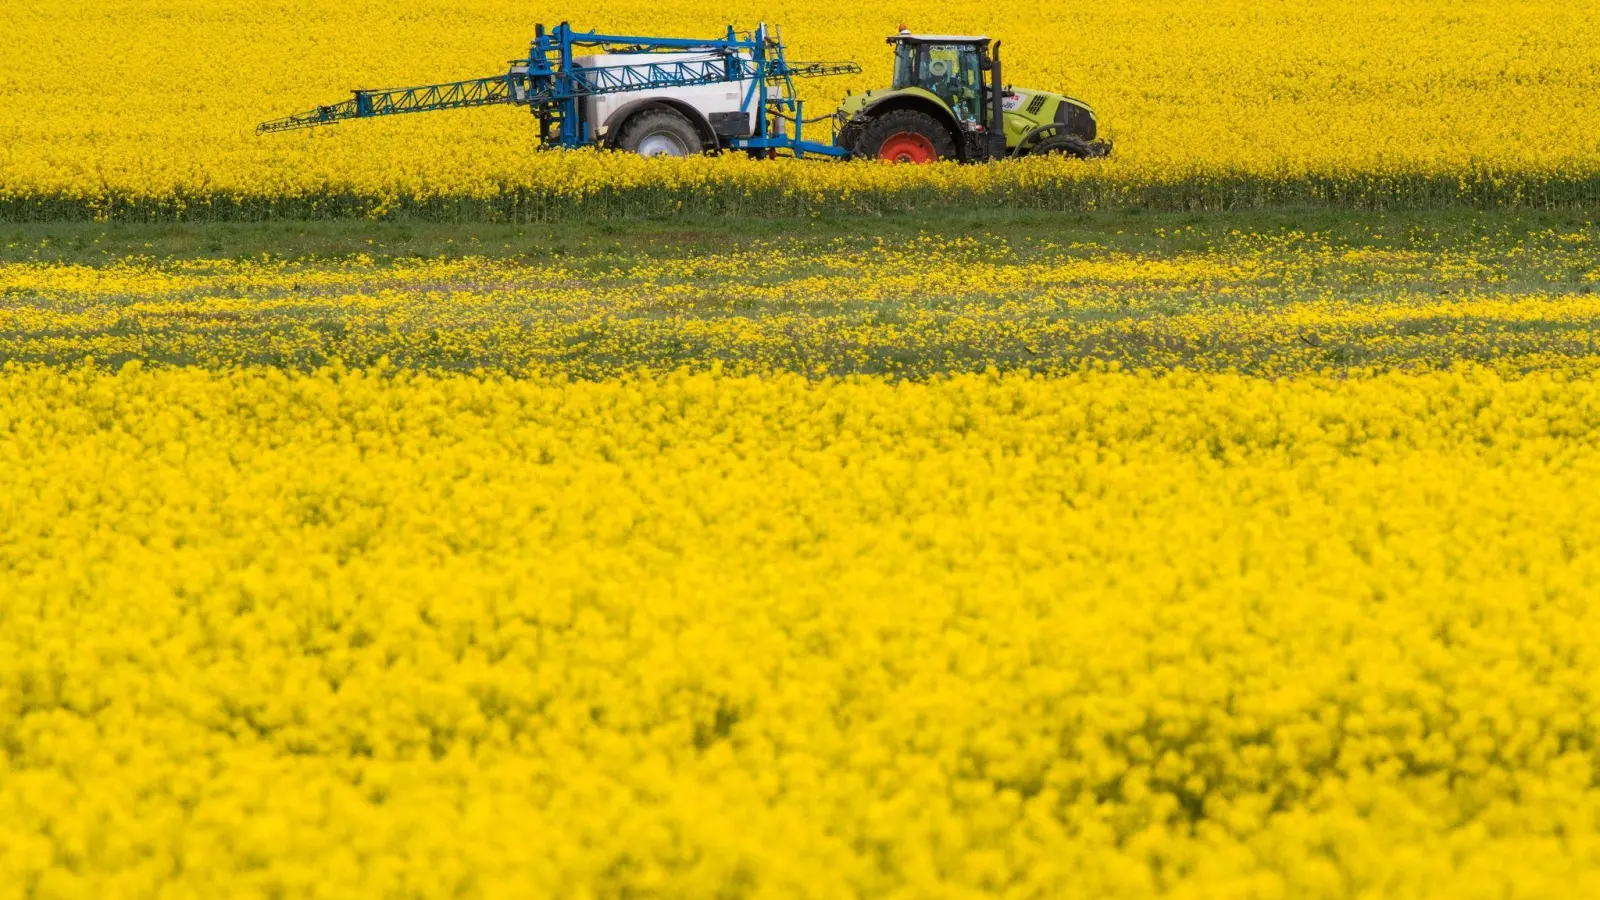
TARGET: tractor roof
(938,38)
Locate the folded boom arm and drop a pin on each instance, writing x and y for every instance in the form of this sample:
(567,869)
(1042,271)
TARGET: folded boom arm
(454,95)
(518,86)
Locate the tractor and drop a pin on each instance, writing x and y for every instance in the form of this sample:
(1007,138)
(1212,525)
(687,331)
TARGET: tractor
(946,96)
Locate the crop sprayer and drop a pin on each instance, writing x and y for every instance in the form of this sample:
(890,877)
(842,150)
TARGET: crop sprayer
(660,96)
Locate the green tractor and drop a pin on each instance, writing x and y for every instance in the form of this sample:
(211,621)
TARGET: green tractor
(946,95)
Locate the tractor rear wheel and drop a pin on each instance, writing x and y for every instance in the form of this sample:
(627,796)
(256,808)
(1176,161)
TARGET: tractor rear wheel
(907,136)
(659,132)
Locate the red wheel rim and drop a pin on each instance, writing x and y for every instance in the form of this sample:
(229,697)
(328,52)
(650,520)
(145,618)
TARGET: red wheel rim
(907,147)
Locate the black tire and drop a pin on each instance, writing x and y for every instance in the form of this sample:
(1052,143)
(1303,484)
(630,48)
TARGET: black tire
(659,132)
(848,135)
(1065,145)
(905,122)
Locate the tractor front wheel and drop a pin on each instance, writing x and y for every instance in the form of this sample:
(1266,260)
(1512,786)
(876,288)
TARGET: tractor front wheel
(905,136)
(1064,145)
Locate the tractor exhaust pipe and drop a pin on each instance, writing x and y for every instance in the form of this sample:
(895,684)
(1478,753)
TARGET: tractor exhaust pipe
(997,108)
(997,112)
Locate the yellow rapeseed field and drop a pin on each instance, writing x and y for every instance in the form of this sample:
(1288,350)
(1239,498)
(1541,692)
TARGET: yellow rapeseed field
(114,104)
(1102,635)
(1100,557)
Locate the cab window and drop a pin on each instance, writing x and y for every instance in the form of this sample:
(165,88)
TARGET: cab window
(905,66)
(950,71)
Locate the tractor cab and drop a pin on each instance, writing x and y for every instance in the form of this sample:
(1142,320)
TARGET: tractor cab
(951,67)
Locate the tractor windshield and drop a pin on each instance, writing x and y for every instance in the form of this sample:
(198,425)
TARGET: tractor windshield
(948,71)
(951,72)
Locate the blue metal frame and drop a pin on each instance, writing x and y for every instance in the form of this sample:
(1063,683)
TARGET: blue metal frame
(554,89)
